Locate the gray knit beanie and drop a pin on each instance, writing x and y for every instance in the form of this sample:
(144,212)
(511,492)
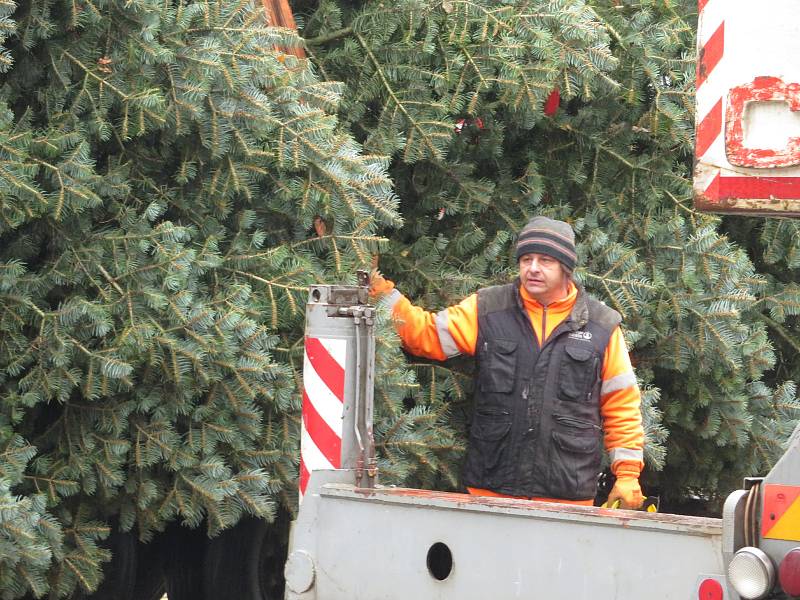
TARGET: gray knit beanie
(548,236)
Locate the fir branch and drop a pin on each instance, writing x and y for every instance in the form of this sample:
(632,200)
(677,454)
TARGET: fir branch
(780,330)
(434,151)
(329,37)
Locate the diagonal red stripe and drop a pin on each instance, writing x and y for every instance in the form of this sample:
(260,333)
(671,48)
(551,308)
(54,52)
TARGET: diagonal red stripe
(701,4)
(324,437)
(711,193)
(304,476)
(708,129)
(330,371)
(711,54)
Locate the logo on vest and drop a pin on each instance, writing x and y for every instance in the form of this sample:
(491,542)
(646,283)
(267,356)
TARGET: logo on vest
(581,335)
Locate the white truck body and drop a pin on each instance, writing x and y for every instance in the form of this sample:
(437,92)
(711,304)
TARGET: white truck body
(394,544)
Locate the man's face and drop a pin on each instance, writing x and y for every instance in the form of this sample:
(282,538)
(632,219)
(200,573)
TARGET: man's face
(542,277)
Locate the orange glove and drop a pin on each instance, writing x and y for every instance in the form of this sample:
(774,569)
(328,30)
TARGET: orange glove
(378,285)
(626,489)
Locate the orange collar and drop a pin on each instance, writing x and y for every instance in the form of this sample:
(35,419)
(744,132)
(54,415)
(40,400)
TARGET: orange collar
(544,321)
(564,305)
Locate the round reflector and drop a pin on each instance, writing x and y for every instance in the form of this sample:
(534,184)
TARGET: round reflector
(710,589)
(751,573)
(789,572)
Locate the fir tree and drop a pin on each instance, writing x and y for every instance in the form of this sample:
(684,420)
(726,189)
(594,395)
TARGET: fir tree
(162,168)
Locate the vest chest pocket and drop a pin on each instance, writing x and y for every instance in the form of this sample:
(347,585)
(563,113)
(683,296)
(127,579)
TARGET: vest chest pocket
(577,373)
(499,366)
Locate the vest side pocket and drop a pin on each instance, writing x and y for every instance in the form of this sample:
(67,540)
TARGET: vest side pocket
(574,463)
(490,445)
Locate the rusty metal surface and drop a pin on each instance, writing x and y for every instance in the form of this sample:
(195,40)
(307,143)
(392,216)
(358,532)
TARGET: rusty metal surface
(765,207)
(546,510)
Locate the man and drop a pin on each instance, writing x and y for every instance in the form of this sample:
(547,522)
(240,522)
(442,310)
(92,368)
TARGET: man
(553,377)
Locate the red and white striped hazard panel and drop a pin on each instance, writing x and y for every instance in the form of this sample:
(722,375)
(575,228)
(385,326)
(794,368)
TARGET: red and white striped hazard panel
(748,107)
(323,406)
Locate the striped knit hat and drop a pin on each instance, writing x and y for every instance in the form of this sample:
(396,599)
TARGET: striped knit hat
(548,236)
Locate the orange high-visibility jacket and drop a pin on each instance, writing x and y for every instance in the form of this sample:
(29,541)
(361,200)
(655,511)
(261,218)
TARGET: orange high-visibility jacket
(454,331)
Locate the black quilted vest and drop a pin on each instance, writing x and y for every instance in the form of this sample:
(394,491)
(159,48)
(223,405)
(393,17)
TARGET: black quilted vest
(536,427)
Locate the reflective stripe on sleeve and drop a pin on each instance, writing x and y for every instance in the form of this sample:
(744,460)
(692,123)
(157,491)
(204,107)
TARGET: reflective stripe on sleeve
(619,382)
(392,298)
(616,454)
(445,337)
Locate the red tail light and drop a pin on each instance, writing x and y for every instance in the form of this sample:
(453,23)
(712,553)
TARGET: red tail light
(710,589)
(789,572)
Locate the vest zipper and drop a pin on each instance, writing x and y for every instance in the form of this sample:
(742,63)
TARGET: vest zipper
(544,327)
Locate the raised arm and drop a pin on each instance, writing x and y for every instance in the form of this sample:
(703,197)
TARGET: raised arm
(442,335)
